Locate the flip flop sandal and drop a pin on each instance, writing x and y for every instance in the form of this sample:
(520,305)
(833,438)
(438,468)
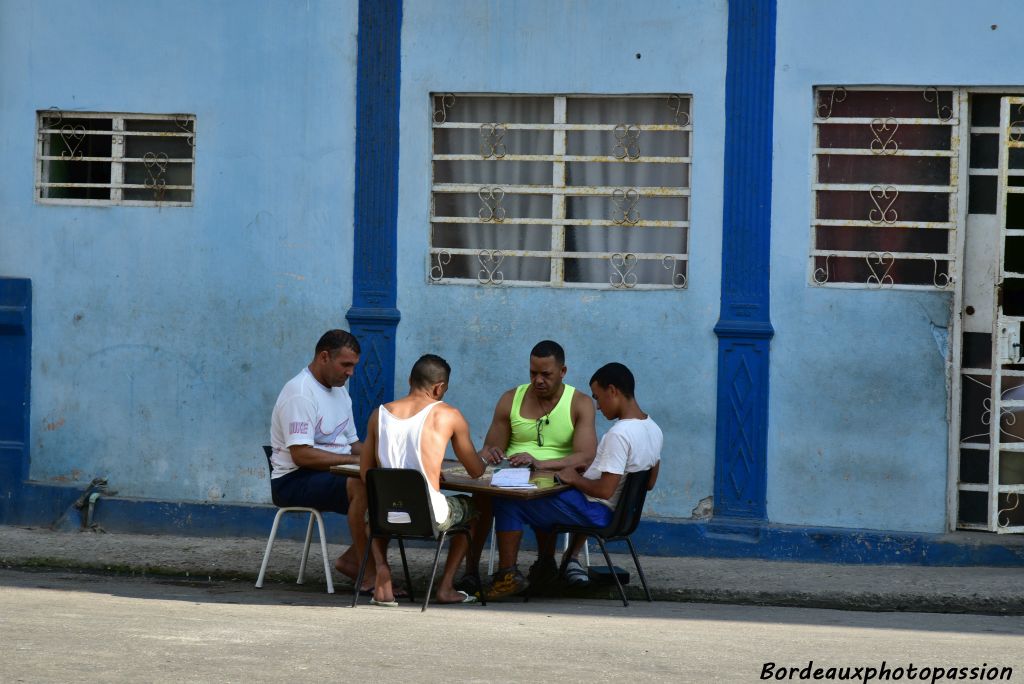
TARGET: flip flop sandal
(384,604)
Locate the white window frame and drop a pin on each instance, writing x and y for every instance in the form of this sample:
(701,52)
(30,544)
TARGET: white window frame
(621,265)
(49,122)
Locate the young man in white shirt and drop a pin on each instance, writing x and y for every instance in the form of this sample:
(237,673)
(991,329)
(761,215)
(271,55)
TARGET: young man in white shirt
(633,444)
(312,429)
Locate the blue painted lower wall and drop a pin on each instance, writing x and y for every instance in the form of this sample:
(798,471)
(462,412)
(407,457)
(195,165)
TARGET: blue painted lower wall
(42,505)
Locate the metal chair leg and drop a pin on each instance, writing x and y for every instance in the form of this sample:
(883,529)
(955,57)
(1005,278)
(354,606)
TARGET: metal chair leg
(611,569)
(433,571)
(490,557)
(305,549)
(270,545)
(586,547)
(323,550)
(362,568)
(639,570)
(405,568)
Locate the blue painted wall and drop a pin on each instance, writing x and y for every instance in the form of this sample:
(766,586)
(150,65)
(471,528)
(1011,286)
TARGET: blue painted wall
(858,425)
(666,338)
(162,336)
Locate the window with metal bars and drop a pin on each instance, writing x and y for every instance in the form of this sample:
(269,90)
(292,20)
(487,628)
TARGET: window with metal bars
(576,191)
(885,187)
(105,158)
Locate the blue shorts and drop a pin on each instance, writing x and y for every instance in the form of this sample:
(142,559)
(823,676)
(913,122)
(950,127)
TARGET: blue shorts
(317,489)
(565,508)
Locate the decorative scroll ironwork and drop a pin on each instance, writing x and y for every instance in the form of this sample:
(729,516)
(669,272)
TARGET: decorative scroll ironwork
(1016,137)
(156,181)
(1005,415)
(675,103)
(443,104)
(821,274)
(678,279)
(492,211)
(825,108)
(945,278)
(885,214)
(443,259)
(186,125)
(931,94)
(627,144)
(490,259)
(880,127)
(623,265)
(1010,497)
(72,137)
(491,144)
(52,119)
(625,212)
(881,279)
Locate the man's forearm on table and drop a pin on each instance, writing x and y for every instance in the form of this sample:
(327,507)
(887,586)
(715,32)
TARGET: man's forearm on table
(576,460)
(319,459)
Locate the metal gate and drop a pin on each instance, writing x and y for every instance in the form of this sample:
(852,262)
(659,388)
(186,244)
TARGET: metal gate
(991,459)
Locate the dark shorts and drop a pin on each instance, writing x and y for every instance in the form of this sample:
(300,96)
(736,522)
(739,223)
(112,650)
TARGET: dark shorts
(311,489)
(460,510)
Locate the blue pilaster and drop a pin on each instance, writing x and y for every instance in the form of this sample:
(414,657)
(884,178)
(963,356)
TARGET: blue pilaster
(15,375)
(374,317)
(744,329)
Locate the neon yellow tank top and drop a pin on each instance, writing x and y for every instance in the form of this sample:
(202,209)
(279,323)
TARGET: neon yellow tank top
(557,432)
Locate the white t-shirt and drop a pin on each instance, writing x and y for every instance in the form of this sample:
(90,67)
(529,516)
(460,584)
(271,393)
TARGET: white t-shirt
(633,444)
(308,413)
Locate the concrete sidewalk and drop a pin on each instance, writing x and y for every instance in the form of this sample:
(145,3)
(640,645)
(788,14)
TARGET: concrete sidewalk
(986,590)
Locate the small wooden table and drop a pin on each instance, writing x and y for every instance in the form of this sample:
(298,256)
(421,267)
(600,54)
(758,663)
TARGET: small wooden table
(454,478)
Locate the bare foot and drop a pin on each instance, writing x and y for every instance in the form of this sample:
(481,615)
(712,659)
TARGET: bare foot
(348,564)
(447,593)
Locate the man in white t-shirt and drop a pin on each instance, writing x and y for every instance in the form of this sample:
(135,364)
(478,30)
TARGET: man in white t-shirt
(312,429)
(632,445)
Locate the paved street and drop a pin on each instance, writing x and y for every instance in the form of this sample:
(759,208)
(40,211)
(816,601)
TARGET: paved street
(71,626)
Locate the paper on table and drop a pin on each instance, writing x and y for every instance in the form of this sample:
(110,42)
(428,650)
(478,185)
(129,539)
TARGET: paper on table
(512,478)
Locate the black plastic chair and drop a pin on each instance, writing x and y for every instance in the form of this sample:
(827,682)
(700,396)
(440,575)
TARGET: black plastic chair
(314,515)
(624,522)
(403,493)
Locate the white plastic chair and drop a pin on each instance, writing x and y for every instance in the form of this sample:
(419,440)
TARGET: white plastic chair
(313,515)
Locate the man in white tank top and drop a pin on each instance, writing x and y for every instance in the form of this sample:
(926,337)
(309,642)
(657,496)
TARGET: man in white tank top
(413,432)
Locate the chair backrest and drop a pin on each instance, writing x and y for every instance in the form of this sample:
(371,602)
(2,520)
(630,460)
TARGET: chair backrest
(631,505)
(399,503)
(268,452)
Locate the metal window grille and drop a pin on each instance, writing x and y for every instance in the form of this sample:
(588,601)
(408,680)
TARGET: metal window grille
(886,173)
(494,223)
(102,158)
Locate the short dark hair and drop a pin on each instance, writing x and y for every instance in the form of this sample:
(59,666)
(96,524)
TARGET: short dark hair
(428,370)
(546,348)
(615,374)
(334,340)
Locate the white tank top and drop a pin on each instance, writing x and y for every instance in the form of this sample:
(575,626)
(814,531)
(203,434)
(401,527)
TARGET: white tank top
(398,446)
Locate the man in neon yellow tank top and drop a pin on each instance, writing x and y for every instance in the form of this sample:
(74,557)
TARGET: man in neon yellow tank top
(546,425)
